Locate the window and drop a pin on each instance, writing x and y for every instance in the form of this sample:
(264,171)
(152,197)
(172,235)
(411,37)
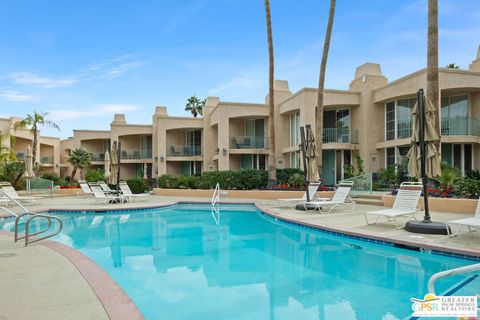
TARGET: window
(455,115)
(253,161)
(390,157)
(194,143)
(390,121)
(295,159)
(295,129)
(459,156)
(191,168)
(255,133)
(404,117)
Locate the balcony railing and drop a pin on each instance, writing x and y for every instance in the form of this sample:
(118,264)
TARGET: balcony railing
(184,151)
(248,142)
(98,156)
(460,127)
(136,154)
(339,135)
(46,160)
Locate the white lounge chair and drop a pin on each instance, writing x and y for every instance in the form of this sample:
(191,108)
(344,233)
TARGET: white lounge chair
(340,198)
(472,223)
(129,194)
(105,187)
(101,197)
(405,205)
(12,193)
(85,188)
(312,190)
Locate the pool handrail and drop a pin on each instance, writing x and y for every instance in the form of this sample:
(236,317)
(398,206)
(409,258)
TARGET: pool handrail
(216,195)
(451,272)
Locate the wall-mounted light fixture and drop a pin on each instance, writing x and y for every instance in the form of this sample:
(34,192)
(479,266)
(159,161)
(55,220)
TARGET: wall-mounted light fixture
(156,159)
(162,158)
(224,151)
(217,150)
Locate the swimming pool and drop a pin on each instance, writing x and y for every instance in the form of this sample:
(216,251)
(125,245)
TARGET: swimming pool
(187,262)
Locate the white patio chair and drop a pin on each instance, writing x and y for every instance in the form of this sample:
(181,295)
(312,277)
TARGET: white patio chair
(340,198)
(12,193)
(405,205)
(105,187)
(472,223)
(85,188)
(129,194)
(312,190)
(101,197)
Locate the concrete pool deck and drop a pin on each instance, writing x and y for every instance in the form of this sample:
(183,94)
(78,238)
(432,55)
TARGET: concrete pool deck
(40,283)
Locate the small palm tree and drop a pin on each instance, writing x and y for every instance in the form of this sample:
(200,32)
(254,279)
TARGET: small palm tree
(79,159)
(35,121)
(6,153)
(452,66)
(195,106)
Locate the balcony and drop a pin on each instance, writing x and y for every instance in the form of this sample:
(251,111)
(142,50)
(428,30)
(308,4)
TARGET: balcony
(184,151)
(460,127)
(339,135)
(46,160)
(136,154)
(248,142)
(98,156)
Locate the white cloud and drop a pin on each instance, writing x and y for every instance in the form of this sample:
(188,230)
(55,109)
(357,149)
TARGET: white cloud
(11,95)
(247,81)
(100,110)
(27,78)
(112,68)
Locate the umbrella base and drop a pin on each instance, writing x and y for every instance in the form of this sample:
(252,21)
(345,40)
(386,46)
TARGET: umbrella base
(423,227)
(305,207)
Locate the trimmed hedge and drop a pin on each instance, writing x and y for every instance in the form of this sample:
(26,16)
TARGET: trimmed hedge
(137,185)
(229,179)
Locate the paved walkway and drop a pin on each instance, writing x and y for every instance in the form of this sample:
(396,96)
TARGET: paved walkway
(39,283)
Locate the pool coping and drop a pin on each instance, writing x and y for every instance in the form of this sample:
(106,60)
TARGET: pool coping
(116,303)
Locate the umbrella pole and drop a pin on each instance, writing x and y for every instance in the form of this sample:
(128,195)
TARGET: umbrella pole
(304,157)
(427,226)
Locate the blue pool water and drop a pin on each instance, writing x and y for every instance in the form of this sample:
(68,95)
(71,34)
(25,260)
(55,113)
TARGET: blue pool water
(183,262)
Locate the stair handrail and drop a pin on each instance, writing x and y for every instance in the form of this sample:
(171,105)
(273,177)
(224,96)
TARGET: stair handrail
(216,195)
(13,200)
(450,272)
(49,218)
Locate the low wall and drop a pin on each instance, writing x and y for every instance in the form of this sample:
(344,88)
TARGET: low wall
(440,204)
(238,194)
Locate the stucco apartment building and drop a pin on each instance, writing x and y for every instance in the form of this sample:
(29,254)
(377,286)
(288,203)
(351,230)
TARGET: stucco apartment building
(48,150)
(372,116)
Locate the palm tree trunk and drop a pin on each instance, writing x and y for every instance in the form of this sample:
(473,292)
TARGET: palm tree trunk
(35,142)
(321,87)
(272,170)
(432,62)
(74,172)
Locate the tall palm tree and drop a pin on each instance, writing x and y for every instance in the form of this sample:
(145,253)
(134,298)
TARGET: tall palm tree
(79,159)
(272,170)
(195,106)
(35,121)
(321,87)
(432,61)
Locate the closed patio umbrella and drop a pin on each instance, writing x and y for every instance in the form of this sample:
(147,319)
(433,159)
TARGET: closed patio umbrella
(310,153)
(107,165)
(424,160)
(29,163)
(145,173)
(113,165)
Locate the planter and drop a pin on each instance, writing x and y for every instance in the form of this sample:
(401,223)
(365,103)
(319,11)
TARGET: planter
(440,204)
(239,194)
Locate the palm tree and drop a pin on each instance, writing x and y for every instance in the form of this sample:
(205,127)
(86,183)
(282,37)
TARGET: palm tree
(195,106)
(6,153)
(432,61)
(452,66)
(321,87)
(35,121)
(79,159)
(272,170)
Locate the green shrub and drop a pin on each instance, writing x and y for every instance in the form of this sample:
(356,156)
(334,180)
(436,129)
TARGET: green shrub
(94,175)
(467,188)
(284,175)
(137,185)
(12,172)
(297,180)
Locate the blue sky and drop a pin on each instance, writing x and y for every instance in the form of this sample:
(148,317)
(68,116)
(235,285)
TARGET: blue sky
(82,61)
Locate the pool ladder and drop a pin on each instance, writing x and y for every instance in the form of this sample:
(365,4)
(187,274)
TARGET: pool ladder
(216,195)
(29,217)
(448,273)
